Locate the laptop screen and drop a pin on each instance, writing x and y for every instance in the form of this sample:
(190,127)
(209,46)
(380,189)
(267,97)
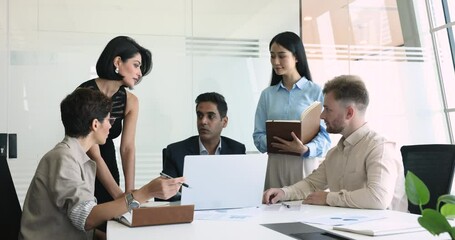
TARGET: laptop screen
(224,181)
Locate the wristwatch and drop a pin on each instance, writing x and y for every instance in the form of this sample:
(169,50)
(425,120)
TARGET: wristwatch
(131,203)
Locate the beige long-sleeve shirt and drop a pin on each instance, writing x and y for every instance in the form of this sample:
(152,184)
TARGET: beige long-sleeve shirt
(362,171)
(61,194)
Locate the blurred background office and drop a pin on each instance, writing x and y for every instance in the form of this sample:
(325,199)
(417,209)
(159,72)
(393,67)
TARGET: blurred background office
(403,49)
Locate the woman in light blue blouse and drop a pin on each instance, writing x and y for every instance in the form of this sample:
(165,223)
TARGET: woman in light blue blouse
(290,92)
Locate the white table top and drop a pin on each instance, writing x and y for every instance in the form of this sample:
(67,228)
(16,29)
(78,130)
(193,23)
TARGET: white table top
(250,228)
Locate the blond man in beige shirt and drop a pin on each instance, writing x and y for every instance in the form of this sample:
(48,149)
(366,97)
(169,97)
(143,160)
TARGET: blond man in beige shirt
(363,170)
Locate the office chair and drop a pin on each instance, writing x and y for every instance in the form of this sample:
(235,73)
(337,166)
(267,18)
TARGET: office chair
(163,155)
(9,203)
(434,165)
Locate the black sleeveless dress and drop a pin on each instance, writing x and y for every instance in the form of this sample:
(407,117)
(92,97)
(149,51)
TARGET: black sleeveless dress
(107,150)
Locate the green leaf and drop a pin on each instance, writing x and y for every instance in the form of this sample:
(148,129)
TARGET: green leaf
(416,190)
(434,222)
(452,233)
(447,198)
(448,210)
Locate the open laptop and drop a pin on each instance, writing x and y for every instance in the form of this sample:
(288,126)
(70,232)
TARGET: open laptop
(224,181)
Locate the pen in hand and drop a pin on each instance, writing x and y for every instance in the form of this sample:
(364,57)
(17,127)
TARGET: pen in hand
(169,177)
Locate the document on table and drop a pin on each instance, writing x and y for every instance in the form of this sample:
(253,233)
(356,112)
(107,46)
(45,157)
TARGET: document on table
(384,227)
(342,219)
(282,206)
(240,214)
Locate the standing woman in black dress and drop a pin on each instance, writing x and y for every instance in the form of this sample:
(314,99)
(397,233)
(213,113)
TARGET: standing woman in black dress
(121,65)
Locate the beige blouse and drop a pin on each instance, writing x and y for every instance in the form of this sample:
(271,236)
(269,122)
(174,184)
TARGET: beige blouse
(63,182)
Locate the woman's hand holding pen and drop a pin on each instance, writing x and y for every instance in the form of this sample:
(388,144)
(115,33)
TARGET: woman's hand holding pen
(159,187)
(272,196)
(162,174)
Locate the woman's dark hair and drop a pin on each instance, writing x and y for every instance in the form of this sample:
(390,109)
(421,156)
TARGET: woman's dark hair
(80,108)
(125,48)
(293,43)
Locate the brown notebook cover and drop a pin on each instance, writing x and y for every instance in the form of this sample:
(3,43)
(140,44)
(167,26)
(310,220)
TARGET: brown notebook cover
(305,129)
(147,216)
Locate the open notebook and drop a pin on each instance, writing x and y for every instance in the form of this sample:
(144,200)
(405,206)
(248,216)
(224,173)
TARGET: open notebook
(305,129)
(224,181)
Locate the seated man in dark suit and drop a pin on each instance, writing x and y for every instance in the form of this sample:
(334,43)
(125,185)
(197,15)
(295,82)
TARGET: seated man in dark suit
(211,111)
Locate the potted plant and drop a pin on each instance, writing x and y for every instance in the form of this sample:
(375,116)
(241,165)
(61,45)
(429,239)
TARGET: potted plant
(433,220)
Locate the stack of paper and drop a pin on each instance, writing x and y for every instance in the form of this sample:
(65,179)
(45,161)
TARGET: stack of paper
(383,228)
(373,224)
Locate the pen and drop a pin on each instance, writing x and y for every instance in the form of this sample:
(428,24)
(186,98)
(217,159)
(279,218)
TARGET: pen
(286,205)
(169,177)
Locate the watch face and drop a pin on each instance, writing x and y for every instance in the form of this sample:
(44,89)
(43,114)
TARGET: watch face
(134,204)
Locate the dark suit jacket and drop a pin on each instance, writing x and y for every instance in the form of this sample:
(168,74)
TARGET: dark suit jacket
(176,152)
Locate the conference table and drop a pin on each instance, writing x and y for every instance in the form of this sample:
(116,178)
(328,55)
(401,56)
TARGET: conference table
(247,224)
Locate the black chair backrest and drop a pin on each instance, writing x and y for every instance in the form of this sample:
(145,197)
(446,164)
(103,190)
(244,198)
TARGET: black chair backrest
(163,156)
(434,165)
(9,203)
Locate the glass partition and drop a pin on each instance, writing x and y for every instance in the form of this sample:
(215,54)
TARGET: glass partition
(381,42)
(197,46)
(213,45)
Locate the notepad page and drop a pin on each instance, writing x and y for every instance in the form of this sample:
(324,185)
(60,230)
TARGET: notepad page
(283,120)
(376,228)
(309,108)
(126,218)
(154,204)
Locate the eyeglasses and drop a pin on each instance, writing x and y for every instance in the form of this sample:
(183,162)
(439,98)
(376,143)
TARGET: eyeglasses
(112,120)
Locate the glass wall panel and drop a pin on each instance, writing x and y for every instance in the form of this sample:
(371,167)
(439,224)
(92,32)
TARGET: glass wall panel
(386,44)
(446,65)
(451,8)
(437,12)
(47,49)
(3,64)
(197,46)
(234,59)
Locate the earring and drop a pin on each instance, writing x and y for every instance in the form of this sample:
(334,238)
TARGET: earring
(116,70)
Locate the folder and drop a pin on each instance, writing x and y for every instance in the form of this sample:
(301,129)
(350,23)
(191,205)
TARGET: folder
(148,216)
